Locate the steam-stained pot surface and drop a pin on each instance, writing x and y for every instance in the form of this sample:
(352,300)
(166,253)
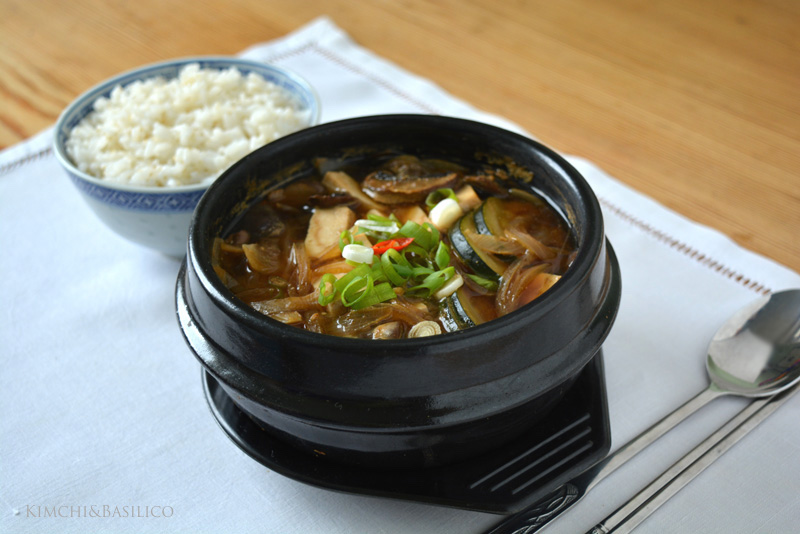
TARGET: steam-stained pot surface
(408,402)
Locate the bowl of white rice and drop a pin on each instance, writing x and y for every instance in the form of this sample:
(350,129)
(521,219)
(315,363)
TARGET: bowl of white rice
(143,146)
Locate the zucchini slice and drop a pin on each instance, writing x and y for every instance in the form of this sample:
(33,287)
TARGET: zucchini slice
(463,309)
(488,217)
(480,262)
(459,312)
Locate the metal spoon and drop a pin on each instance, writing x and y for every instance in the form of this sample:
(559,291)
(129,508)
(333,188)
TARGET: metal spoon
(756,353)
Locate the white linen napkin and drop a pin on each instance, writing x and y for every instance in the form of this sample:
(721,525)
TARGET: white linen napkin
(104,422)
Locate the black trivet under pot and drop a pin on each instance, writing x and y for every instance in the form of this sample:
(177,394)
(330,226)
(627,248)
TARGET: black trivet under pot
(572,438)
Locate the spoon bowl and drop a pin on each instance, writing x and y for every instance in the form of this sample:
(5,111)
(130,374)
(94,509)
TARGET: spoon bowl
(756,353)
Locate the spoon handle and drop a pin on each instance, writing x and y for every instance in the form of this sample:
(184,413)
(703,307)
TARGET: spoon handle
(649,436)
(628,516)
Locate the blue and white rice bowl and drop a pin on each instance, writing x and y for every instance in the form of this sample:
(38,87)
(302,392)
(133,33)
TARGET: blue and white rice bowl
(158,217)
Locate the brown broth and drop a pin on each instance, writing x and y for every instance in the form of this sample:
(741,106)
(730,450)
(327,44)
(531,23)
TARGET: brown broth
(513,247)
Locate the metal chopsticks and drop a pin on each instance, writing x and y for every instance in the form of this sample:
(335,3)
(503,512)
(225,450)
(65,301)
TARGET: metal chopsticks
(637,509)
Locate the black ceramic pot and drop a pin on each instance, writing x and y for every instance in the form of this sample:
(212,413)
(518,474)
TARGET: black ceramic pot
(409,402)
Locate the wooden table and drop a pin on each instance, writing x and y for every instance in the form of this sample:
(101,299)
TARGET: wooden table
(693,102)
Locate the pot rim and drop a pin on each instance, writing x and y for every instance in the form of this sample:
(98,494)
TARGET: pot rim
(590,241)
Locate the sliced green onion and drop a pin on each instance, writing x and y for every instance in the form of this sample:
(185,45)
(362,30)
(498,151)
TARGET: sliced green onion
(358,253)
(390,261)
(327,289)
(419,272)
(377,272)
(385,292)
(449,287)
(489,285)
(404,269)
(362,292)
(379,293)
(361,287)
(445,213)
(425,235)
(442,257)
(416,252)
(346,238)
(422,267)
(434,233)
(392,218)
(438,195)
(356,290)
(420,235)
(385,226)
(433,282)
(361,271)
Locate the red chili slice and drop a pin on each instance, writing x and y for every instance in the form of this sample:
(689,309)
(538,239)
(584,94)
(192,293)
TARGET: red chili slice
(397,244)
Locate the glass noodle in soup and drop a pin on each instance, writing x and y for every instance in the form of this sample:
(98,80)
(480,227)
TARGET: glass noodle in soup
(395,247)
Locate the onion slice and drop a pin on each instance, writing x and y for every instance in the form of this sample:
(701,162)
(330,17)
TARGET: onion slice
(529,242)
(517,277)
(503,246)
(302,272)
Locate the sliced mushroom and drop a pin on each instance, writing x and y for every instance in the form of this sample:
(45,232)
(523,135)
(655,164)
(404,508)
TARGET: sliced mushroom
(390,188)
(392,330)
(406,165)
(340,182)
(332,199)
(486,183)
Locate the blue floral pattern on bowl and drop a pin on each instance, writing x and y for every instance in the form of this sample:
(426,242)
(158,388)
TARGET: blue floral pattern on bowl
(159,202)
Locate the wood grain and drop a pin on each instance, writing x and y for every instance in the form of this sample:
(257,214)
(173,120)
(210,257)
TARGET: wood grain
(692,102)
